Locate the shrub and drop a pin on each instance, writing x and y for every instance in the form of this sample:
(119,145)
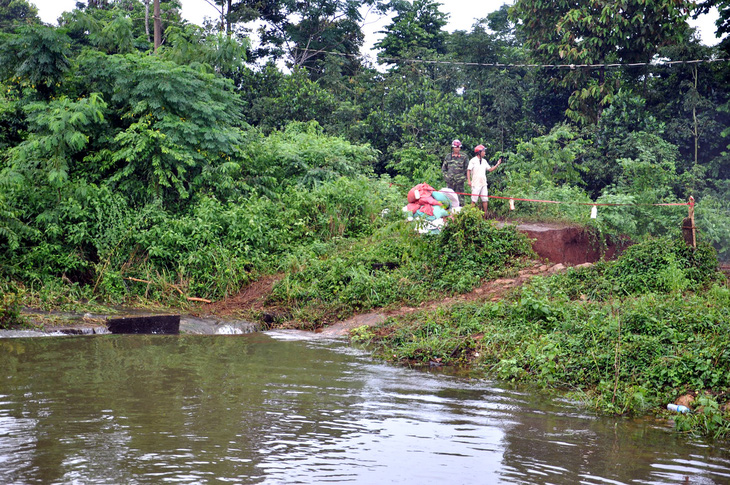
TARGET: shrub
(655,265)
(10,306)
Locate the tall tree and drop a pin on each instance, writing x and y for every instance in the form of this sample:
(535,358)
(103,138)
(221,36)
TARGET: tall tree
(14,13)
(37,57)
(416,30)
(692,100)
(596,32)
(174,126)
(497,94)
(304,31)
(118,27)
(157,22)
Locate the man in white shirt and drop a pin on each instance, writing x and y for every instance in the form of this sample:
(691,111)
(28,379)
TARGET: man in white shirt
(476,175)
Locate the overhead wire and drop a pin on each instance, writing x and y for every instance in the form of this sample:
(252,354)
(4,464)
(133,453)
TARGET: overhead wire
(658,62)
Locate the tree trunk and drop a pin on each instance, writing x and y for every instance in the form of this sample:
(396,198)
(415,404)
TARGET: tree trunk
(158,24)
(602,84)
(147,19)
(695,130)
(228,18)
(222,27)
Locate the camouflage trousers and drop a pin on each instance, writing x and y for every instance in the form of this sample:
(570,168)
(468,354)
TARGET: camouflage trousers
(458,185)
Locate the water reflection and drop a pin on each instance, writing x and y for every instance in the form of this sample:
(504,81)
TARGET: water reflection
(256,409)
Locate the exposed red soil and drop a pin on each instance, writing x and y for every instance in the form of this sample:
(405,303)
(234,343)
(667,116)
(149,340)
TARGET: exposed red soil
(569,244)
(493,290)
(250,298)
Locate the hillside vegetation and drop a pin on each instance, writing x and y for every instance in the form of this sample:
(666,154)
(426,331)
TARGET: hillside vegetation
(145,171)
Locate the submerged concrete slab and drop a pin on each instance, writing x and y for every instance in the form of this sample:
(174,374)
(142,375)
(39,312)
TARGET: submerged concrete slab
(157,324)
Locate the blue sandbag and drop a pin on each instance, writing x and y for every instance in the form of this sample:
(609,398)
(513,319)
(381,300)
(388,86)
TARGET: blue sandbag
(443,198)
(440,212)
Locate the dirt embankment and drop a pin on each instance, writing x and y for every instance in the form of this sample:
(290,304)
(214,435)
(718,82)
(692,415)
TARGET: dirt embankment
(493,290)
(569,244)
(560,245)
(252,300)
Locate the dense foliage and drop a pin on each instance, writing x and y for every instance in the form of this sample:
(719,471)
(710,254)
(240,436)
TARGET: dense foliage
(131,172)
(625,335)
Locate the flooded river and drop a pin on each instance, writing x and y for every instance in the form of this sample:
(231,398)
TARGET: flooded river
(277,408)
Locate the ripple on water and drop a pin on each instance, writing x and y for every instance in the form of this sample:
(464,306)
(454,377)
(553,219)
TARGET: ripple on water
(258,409)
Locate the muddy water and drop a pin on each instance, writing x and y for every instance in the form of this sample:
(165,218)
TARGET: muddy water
(275,408)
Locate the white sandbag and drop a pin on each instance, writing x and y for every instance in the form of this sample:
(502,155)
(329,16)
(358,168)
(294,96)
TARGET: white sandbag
(452,197)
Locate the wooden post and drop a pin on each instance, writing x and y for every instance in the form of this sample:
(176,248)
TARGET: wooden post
(688,225)
(692,218)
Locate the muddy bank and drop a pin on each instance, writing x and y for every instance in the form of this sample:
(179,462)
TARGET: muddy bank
(58,324)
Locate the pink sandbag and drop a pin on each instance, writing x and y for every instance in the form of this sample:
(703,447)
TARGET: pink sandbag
(413,195)
(429,200)
(419,191)
(427,209)
(413,207)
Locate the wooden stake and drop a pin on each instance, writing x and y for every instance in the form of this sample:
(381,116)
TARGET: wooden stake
(688,225)
(692,218)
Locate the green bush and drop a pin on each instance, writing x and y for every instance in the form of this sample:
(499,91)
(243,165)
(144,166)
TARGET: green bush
(707,419)
(470,245)
(396,264)
(10,305)
(624,336)
(663,265)
(655,265)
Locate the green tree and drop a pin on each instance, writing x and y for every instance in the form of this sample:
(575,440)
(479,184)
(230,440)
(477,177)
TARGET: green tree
(646,178)
(627,114)
(416,30)
(59,130)
(475,47)
(11,228)
(36,58)
(14,13)
(118,26)
(303,32)
(555,156)
(302,155)
(596,32)
(174,127)
(192,45)
(287,98)
(692,101)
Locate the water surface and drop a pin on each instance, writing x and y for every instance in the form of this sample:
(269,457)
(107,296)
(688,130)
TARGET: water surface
(268,408)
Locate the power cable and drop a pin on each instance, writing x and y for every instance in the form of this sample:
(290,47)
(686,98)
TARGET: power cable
(396,60)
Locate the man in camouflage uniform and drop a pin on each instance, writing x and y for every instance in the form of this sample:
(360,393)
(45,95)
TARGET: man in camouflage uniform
(454,169)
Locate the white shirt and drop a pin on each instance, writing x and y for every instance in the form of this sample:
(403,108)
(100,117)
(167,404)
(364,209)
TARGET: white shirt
(478,171)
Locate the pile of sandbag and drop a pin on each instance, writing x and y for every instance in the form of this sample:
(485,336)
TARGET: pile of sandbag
(430,207)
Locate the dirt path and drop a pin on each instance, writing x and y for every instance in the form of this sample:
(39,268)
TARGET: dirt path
(253,299)
(493,290)
(559,243)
